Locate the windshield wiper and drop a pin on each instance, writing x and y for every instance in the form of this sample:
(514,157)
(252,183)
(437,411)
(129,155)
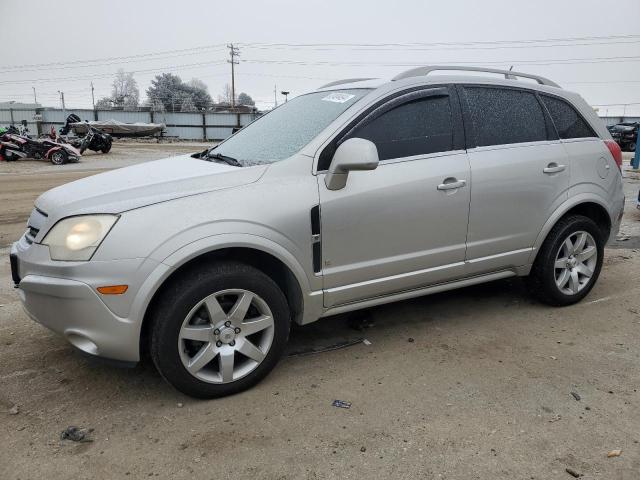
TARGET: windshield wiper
(225,159)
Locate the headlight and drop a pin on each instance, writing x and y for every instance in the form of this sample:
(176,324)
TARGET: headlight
(77,238)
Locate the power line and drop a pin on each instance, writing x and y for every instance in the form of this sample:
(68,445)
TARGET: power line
(565,61)
(105,59)
(593,40)
(123,62)
(107,75)
(414,48)
(488,42)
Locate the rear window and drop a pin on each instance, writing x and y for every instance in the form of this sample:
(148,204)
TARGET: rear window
(569,123)
(504,116)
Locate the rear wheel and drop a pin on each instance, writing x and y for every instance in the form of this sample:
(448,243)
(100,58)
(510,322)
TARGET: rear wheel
(569,262)
(632,147)
(59,157)
(219,330)
(106,148)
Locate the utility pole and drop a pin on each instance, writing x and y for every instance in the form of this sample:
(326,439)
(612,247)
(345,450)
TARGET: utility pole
(93,99)
(35,100)
(233,53)
(286,95)
(64,110)
(275,96)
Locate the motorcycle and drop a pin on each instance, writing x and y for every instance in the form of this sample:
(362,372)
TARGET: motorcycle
(95,140)
(15,147)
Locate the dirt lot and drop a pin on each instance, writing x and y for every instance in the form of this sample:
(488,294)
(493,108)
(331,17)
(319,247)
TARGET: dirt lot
(471,384)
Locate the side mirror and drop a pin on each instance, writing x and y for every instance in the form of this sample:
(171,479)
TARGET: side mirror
(353,154)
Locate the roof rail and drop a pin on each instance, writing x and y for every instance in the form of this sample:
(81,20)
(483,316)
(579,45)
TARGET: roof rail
(508,74)
(346,80)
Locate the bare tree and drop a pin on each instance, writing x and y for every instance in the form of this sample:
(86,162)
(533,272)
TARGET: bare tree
(225,96)
(198,84)
(124,91)
(188,105)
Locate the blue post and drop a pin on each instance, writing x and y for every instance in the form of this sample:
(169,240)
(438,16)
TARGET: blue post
(635,163)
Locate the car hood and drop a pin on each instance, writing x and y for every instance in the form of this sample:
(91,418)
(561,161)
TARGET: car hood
(144,184)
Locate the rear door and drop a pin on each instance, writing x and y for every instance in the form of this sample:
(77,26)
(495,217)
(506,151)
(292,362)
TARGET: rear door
(591,164)
(520,173)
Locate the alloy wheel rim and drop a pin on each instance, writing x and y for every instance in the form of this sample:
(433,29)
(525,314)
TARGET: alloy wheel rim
(575,262)
(226,336)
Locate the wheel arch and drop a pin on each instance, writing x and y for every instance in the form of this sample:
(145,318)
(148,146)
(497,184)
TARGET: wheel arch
(286,276)
(589,206)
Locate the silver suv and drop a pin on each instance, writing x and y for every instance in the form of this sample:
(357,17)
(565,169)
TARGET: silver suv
(361,193)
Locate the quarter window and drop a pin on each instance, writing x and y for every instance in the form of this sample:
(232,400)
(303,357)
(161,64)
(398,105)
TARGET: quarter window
(504,116)
(567,120)
(415,128)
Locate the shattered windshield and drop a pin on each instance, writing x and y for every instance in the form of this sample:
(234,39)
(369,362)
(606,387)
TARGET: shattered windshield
(286,129)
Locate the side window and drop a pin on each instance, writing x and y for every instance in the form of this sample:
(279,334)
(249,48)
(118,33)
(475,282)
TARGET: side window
(414,128)
(503,116)
(567,120)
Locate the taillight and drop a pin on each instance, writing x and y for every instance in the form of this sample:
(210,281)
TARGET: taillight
(616,152)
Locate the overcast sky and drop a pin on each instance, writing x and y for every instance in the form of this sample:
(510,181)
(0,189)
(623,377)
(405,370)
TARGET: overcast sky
(589,46)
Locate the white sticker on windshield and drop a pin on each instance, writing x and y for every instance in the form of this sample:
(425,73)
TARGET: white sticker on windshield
(338,97)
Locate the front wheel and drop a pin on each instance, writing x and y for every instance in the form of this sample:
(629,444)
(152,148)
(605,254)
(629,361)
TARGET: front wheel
(59,157)
(569,262)
(219,330)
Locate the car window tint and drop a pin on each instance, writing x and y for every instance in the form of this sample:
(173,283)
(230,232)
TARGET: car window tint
(504,116)
(415,128)
(567,120)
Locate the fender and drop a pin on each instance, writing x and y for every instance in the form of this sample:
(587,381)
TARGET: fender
(573,201)
(51,151)
(242,240)
(312,300)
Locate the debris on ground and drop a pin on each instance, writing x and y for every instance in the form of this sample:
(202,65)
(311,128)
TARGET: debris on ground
(363,449)
(366,342)
(572,472)
(76,434)
(328,348)
(180,405)
(410,340)
(360,320)
(15,410)
(341,404)
(614,453)
(576,396)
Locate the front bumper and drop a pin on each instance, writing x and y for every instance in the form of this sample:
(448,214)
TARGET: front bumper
(62,296)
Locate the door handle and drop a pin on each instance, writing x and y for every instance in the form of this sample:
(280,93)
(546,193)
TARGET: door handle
(451,183)
(554,168)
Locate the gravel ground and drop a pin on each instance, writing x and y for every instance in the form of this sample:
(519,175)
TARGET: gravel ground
(477,383)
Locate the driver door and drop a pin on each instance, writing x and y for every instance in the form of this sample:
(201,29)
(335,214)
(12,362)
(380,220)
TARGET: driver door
(403,225)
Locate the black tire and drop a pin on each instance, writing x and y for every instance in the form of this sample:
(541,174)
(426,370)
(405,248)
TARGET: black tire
(185,292)
(631,147)
(106,148)
(59,157)
(542,281)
